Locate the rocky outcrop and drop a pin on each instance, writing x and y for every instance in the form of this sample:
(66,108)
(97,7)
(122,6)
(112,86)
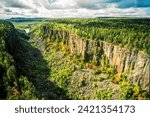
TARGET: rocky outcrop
(136,63)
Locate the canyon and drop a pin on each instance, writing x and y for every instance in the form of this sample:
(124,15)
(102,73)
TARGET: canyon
(135,63)
(49,63)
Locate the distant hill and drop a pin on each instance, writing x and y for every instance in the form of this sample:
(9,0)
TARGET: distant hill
(20,19)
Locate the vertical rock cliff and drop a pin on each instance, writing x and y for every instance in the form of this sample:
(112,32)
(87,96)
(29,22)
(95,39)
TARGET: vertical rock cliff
(137,64)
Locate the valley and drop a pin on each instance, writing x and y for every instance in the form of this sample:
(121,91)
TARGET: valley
(103,59)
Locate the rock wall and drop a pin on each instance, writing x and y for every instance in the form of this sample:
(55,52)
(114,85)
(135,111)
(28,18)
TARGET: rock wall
(136,63)
(124,60)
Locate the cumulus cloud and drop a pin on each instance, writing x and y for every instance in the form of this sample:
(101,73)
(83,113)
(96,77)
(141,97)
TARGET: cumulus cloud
(92,4)
(8,10)
(122,12)
(62,4)
(14,3)
(74,8)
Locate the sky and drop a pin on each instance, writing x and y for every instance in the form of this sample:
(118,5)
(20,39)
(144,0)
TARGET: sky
(74,8)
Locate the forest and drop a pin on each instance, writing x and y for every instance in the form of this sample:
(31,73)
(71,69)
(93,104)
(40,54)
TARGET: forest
(126,32)
(40,65)
(13,84)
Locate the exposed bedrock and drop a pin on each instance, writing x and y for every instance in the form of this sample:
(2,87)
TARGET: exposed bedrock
(136,63)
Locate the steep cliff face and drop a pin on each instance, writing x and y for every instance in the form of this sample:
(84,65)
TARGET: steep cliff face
(137,64)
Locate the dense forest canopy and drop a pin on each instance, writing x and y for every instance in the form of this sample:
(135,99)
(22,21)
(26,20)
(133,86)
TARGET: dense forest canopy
(126,32)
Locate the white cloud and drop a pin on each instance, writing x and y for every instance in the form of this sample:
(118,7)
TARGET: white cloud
(67,8)
(63,4)
(130,12)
